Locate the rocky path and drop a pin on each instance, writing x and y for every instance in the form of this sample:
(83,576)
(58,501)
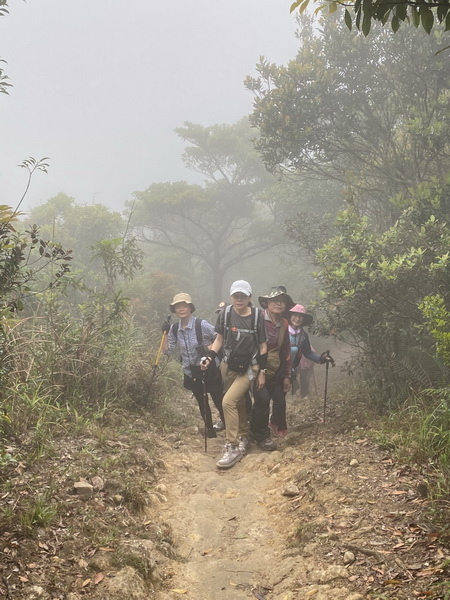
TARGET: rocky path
(327,516)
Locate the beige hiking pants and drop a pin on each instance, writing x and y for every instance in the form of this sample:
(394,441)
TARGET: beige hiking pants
(233,404)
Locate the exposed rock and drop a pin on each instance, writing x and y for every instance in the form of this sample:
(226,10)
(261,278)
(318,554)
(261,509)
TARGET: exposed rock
(349,557)
(36,592)
(290,490)
(140,554)
(97,483)
(291,552)
(101,561)
(126,584)
(325,592)
(328,574)
(290,454)
(275,469)
(84,489)
(310,549)
(348,512)
(354,462)
(192,430)
(302,475)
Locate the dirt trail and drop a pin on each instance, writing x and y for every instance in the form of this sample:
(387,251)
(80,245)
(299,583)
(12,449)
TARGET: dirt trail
(328,516)
(222,524)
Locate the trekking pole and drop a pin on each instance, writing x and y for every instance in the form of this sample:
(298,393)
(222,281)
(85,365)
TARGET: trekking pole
(315,383)
(326,383)
(159,352)
(205,405)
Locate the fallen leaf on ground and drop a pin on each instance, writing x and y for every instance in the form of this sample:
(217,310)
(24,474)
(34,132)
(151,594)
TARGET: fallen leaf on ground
(178,591)
(98,577)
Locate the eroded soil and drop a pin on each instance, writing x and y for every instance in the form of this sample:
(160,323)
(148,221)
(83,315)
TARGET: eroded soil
(327,516)
(330,515)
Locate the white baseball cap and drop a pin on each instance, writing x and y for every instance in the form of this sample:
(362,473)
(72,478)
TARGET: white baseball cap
(241,286)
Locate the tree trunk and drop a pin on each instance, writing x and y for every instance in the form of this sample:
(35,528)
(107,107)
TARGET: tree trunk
(217,285)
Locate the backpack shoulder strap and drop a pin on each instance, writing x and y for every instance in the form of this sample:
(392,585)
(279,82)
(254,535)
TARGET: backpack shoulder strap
(175,328)
(254,322)
(283,329)
(227,323)
(198,330)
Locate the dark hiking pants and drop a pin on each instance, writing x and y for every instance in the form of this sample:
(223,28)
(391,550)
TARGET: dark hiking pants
(215,390)
(259,422)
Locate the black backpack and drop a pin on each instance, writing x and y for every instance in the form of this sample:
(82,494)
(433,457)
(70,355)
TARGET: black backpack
(253,325)
(198,330)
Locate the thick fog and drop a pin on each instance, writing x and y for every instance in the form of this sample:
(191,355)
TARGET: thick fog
(100,87)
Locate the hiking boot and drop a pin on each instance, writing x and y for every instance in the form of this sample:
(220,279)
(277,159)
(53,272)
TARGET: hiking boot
(231,456)
(274,428)
(282,433)
(268,445)
(211,433)
(244,445)
(219,426)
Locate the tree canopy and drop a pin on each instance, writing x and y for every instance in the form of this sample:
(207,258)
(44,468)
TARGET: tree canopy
(346,108)
(363,13)
(222,223)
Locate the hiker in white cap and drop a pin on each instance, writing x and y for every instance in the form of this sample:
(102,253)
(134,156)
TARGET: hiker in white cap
(242,336)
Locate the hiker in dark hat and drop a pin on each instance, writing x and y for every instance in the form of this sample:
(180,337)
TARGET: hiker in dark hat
(193,336)
(277,372)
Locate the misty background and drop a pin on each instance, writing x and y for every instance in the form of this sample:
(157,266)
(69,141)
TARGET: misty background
(99,89)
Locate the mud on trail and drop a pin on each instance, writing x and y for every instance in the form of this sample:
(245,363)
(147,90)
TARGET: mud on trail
(327,516)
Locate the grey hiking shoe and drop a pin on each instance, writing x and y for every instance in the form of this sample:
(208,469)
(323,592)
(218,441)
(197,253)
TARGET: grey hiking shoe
(219,426)
(268,445)
(244,445)
(231,456)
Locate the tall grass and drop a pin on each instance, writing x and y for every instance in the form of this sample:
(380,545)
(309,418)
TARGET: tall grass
(419,433)
(61,367)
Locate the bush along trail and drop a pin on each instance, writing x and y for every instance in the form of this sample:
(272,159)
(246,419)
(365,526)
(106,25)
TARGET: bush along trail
(128,512)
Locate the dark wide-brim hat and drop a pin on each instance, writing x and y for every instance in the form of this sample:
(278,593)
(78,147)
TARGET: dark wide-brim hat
(275,292)
(181,297)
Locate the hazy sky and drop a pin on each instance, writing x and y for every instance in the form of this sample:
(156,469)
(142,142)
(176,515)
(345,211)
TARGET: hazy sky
(100,86)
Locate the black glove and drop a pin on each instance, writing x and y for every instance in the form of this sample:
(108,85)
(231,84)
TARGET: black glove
(325,357)
(165,327)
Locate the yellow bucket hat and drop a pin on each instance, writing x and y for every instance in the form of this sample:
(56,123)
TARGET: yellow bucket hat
(181,297)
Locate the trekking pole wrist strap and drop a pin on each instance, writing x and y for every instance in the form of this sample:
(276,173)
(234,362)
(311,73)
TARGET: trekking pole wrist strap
(261,359)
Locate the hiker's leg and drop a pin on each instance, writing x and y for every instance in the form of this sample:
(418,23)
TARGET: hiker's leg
(248,405)
(279,407)
(234,403)
(244,384)
(305,379)
(259,422)
(203,405)
(216,391)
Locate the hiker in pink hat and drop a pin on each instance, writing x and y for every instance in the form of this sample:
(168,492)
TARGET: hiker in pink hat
(301,349)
